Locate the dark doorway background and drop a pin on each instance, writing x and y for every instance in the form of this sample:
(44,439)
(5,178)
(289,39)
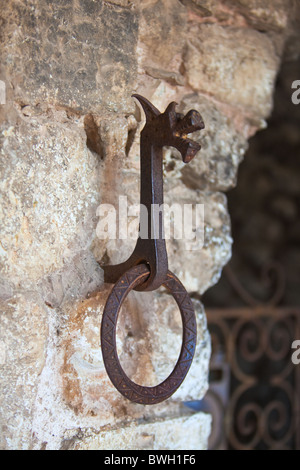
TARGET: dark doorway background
(254,310)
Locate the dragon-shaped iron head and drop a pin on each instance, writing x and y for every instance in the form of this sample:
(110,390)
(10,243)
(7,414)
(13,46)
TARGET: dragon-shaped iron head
(171,128)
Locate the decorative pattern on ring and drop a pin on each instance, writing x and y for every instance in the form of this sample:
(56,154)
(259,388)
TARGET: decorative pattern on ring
(134,392)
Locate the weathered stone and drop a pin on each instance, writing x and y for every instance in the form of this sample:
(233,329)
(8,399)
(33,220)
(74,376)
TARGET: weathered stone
(160,23)
(236,66)
(49,188)
(6,289)
(171,77)
(267,15)
(147,352)
(169,434)
(199,7)
(74,389)
(23,342)
(223,147)
(78,279)
(77,54)
(199,262)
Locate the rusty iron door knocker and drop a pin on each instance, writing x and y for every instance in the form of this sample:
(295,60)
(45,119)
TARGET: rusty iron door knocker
(147,267)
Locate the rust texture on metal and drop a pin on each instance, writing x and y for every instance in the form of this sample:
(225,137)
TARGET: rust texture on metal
(134,392)
(161,129)
(147,268)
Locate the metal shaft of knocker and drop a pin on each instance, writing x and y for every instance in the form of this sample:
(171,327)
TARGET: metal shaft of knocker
(147,268)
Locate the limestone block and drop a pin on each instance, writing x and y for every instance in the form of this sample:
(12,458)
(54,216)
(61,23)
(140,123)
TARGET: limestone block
(199,262)
(23,341)
(149,340)
(170,434)
(80,55)
(74,390)
(162,32)
(268,15)
(263,15)
(236,65)
(77,279)
(223,142)
(49,189)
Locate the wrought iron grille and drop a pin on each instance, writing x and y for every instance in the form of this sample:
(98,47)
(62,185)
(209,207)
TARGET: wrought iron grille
(254,394)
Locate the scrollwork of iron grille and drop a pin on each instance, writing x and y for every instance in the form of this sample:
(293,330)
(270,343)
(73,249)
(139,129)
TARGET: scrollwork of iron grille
(261,410)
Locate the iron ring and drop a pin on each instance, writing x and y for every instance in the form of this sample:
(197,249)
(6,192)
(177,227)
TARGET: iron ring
(132,391)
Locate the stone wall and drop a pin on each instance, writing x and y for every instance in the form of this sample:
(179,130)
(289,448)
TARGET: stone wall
(69,133)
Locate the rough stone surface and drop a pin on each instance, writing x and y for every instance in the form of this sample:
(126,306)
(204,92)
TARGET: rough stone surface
(69,138)
(79,54)
(74,383)
(223,146)
(237,66)
(203,256)
(169,434)
(264,15)
(23,342)
(50,191)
